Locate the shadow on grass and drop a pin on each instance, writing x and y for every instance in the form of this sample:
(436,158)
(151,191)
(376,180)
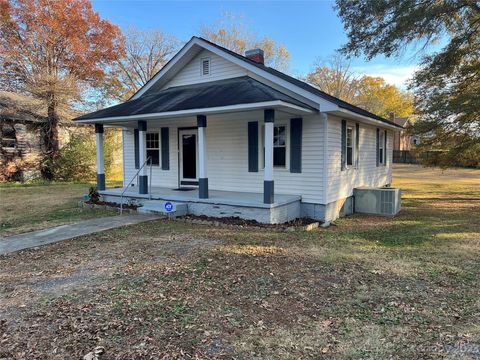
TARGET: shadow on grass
(419,223)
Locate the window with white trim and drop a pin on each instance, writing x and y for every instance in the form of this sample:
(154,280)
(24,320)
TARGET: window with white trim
(153,147)
(205,67)
(280,144)
(349,144)
(381,148)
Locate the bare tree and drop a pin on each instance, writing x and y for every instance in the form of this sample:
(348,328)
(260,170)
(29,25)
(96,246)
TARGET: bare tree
(231,33)
(335,77)
(146,52)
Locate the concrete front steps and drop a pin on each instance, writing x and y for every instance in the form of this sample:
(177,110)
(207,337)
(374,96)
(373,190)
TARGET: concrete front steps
(167,208)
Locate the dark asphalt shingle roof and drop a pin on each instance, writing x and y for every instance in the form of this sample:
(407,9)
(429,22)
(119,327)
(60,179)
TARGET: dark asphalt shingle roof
(241,90)
(343,104)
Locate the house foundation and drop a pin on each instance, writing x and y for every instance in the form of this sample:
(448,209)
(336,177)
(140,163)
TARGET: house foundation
(248,206)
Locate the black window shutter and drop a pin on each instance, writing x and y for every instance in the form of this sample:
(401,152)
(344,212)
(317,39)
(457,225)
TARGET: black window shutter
(378,147)
(165,140)
(137,152)
(344,143)
(253,146)
(296,145)
(357,144)
(385,149)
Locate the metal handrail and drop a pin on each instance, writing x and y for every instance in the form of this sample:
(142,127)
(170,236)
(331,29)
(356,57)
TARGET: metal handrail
(136,176)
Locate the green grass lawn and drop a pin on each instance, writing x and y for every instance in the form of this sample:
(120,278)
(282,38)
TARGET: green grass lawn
(36,206)
(369,288)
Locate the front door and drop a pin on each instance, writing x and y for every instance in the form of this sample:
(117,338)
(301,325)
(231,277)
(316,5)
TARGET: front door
(188,157)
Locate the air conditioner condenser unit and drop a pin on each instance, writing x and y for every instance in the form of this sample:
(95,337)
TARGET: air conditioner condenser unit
(378,201)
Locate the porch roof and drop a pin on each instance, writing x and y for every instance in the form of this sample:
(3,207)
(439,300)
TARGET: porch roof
(229,94)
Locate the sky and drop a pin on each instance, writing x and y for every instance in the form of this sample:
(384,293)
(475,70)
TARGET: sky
(310,30)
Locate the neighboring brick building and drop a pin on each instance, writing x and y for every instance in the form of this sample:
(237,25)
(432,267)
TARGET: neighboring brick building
(401,139)
(21,145)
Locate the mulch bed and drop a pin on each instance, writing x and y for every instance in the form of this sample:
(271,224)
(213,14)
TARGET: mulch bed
(297,224)
(236,222)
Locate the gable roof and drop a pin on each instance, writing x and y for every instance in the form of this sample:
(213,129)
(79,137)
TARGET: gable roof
(304,85)
(213,94)
(277,74)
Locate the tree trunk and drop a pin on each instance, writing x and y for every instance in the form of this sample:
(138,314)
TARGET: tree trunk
(50,138)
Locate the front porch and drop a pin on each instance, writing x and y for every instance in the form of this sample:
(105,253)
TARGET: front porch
(227,134)
(244,205)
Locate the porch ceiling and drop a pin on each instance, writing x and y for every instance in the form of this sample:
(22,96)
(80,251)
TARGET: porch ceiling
(237,94)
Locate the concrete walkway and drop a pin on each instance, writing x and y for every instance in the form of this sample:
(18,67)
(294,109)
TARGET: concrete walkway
(66,232)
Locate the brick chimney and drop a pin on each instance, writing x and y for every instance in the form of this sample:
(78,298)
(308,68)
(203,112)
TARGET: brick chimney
(392,116)
(255,55)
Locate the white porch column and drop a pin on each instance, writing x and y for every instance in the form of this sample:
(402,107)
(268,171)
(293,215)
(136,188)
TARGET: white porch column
(202,168)
(142,152)
(100,161)
(268,186)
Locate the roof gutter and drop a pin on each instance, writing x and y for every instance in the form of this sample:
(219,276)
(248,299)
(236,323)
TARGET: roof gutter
(366,119)
(204,111)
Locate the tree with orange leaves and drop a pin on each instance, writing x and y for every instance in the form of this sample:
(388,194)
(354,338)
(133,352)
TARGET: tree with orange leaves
(53,50)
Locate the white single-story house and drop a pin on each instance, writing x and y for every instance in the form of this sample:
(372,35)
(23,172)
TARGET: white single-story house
(228,136)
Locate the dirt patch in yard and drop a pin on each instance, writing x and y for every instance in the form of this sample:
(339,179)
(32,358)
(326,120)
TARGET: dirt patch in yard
(63,284)
(88,269)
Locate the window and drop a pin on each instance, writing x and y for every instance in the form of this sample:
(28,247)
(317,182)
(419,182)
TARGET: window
(205,70)
(349,145)
(381,147)
(9,138)
(153,147)
(279,145)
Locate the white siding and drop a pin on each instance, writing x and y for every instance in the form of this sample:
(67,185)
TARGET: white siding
(341,183)
(167,178)
(227,156)
(219,69)
(227,147)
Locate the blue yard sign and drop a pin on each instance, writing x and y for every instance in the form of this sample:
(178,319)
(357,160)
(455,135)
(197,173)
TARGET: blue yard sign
(168,206)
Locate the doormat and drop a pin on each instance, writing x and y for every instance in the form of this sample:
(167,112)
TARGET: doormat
(184,189)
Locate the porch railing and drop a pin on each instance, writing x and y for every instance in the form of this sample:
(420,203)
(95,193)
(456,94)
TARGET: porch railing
(124,190)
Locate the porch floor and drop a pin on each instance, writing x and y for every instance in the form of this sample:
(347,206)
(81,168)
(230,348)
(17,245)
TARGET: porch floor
(233,198)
